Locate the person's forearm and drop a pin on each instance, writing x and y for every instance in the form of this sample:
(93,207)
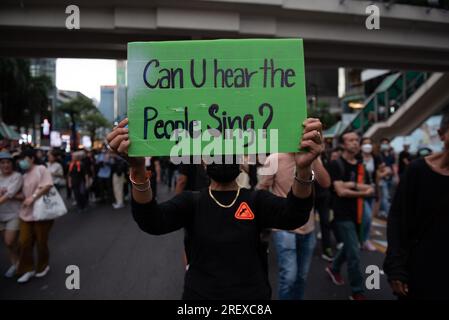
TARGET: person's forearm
(139,176)
(321,174)
(359,186)
(41,191)
(302,190)
(3,199)
(348,193)
(363,187)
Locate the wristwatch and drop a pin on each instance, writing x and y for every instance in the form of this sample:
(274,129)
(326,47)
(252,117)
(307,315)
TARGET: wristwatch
(302,181)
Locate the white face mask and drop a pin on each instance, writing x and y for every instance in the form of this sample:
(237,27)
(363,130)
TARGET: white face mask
(367,148)
(384,147)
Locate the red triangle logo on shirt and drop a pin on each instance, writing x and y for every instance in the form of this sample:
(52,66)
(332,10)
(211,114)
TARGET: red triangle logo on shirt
(244,212)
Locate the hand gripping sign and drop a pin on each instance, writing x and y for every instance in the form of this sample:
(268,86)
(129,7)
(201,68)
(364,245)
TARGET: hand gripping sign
(215,97)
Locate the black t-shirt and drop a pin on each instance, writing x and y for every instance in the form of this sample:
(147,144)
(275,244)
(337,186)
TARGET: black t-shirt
(78,173)
(401,166)
(418,224)
(197,178)
(226,260)
(344,208)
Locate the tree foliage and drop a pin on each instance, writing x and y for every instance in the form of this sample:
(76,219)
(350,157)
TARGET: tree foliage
(22,96)
(83,116)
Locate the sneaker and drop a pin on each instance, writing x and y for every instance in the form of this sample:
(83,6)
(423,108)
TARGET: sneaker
(328,255)
(369,246)
(118,206)
(336,278)
(339,245)
(11,271)
(26,277)
(43,273)
(357,296)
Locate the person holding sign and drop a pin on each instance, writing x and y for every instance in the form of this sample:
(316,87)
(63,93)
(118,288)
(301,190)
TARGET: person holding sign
(224,221)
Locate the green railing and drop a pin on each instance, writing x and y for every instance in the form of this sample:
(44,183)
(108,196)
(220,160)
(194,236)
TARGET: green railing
(388,97)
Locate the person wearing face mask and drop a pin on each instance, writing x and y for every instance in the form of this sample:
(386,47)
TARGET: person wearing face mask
(10,186)
(350,188)
(371,163)
(37,181)
(224,221)
(388,158)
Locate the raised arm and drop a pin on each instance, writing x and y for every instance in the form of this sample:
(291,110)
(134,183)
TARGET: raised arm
(312,145)
(151,217)
(165,217)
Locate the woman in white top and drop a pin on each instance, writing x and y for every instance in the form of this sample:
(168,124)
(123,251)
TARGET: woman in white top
(10,185)
(56,170)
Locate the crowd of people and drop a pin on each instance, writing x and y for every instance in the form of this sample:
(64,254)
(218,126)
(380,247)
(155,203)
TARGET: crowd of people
(82,178)
(353,183)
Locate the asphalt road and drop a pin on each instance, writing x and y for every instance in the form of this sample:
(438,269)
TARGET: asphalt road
(118,261)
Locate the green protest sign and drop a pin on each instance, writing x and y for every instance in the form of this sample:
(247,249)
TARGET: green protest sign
(212,90)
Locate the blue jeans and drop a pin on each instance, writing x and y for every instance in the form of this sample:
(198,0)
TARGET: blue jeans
(350,253)
(385,193)
(367,219)
(294,255)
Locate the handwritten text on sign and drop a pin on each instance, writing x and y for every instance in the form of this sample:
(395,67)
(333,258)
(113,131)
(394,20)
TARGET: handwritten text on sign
(218,86)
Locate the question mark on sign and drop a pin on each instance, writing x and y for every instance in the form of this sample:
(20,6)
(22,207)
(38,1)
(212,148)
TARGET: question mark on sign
(269,118)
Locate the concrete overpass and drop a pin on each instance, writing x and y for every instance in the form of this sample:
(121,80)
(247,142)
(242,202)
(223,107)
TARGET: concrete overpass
(431,97)
(334,30)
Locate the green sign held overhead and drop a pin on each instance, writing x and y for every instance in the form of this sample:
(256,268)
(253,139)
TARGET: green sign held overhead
(203,96)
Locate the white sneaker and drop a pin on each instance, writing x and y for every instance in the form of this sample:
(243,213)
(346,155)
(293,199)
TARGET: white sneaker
(11,271)
(26,277)
(340,245)
(118,206)
(369,246)
(43,273)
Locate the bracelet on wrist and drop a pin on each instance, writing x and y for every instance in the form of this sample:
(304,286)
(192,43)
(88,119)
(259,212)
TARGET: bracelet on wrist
(147,179)
(303,181)
(142,189)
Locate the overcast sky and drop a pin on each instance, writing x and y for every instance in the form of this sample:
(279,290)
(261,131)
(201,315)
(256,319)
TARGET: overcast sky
(85,75)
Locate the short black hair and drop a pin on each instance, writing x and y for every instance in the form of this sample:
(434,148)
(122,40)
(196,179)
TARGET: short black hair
(384,139)
(341,139)
(365,138)
(28,152)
